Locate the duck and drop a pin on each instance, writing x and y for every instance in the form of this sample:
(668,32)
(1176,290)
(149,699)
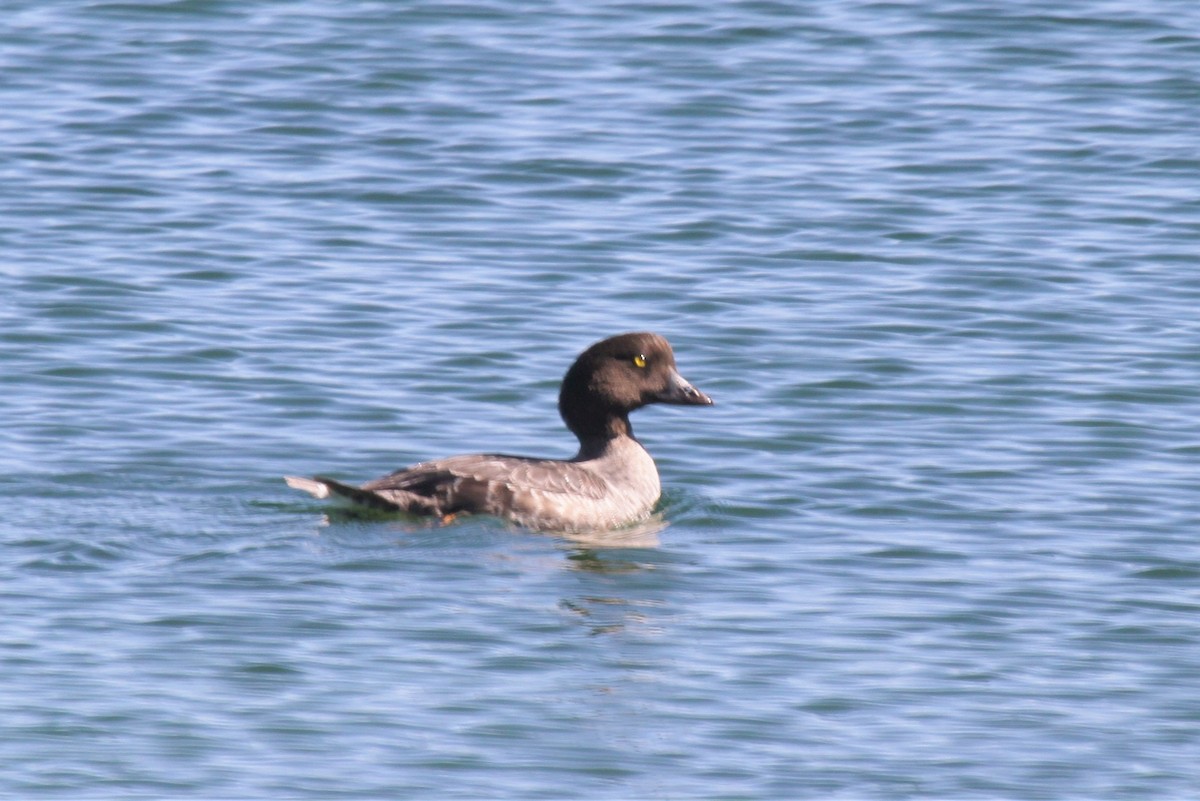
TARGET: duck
(611,481)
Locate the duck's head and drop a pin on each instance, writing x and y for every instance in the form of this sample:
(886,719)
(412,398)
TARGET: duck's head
(617,375)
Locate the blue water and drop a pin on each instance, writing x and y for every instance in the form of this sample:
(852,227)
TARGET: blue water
(936,263)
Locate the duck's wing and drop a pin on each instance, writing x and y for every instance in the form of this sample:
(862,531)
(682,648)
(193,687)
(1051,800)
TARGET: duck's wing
(514,487)
(489,483)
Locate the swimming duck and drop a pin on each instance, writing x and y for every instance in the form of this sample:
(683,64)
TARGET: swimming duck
(611,481)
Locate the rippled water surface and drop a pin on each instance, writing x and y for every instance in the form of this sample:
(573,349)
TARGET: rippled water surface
(936,262)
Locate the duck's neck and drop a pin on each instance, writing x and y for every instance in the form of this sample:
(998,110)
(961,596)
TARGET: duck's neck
(596,438)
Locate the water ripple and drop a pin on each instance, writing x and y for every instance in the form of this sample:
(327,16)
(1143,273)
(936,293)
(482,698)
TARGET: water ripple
(935,262)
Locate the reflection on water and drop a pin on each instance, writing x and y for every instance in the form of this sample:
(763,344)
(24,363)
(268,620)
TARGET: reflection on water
(643,534)
(611,615)
(617,601)
(603,563)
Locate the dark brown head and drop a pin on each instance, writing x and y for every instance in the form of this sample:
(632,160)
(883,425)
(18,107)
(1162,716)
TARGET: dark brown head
(617,375)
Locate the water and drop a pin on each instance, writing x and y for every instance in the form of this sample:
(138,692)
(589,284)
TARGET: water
(935,262)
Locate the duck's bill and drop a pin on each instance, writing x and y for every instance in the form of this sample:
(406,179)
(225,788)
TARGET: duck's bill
(680,392)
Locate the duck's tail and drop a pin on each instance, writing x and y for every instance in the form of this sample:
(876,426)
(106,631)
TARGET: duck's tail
(322,487)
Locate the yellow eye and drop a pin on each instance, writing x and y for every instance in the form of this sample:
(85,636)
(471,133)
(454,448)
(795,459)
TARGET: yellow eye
(639,361)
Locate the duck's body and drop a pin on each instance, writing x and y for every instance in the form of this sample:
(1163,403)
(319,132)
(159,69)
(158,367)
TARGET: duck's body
(617,486)
(612,481)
